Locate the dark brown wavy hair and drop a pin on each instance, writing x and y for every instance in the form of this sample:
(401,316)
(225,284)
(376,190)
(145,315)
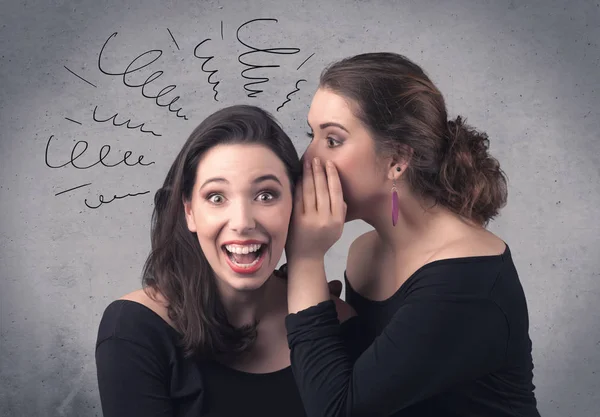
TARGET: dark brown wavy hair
(406,115)
(176,266)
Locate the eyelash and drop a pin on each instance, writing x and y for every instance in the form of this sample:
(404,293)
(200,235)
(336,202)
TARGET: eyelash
(274,195)
(337,142)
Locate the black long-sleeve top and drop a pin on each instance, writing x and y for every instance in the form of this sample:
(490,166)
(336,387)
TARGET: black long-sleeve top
(143,372)
(452,341)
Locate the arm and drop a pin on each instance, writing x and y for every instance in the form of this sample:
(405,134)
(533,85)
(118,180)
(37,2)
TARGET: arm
(131,381)
(344,310)
(429,345)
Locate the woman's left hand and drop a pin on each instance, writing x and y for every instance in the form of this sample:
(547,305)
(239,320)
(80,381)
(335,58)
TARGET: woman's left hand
(319,212)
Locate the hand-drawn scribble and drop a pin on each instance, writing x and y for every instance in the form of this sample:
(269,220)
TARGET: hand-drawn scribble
(126,123)
(211,73)
(254,73)
(154,76)
(104,152)
(287,99)
(116,197)
(72,189)
(304,62)
(174,41)
(79,76)
(278,51)
(74,121)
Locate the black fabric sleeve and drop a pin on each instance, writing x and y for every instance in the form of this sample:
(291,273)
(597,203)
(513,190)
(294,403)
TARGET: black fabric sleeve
(353,337)
(131,380)
(427,347)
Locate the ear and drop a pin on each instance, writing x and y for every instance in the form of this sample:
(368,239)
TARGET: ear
(189,216)
(398,164)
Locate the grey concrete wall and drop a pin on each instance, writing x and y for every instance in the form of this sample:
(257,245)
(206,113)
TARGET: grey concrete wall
(526,72)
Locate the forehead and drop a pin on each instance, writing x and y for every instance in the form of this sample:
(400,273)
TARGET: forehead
(239,162)
(327,105)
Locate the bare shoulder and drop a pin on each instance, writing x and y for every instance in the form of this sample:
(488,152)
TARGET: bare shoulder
(361,256)
(474,243)
(156,303)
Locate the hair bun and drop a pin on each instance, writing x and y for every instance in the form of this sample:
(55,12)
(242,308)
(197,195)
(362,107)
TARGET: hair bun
(473,183)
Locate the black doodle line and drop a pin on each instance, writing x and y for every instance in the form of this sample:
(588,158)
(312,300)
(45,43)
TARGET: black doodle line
(211,73)
(74,121)
(154,76)
(277,51)
(79,76)
(289,94)
(126,123)
(71,189)
(115,197)
(222,30)
(104,152)
(304,62)
(174,41)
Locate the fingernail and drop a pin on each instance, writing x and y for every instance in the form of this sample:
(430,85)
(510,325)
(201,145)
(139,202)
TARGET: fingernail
(316,161)
(330,164)
(307,164)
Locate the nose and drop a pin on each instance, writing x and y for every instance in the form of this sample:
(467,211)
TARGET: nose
(309,153)
(242,217)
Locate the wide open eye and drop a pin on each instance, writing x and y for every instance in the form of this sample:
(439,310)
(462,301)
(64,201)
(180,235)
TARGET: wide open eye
(216,199)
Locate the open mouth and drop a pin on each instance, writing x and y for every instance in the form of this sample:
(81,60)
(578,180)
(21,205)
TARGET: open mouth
(245,257)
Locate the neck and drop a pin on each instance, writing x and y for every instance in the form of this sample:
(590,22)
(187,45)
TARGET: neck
(420,226)
(246,307)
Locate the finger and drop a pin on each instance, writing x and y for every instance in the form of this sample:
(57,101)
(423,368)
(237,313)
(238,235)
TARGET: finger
(338,206)
(298,206)
(321,189)
(308,189)
(335,287)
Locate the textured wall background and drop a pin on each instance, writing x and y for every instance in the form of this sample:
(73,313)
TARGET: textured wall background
(525,72)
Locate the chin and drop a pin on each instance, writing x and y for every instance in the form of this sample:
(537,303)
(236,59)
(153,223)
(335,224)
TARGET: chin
(246,284)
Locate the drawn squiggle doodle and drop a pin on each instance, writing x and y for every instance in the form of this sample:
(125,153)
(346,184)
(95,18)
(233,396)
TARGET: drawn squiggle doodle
(116,197)
(80,77)
(74,121)
(73,189)
(104,152)
(287,98)
(173,37)
(277,51)
(206,61)
(126,123)
(154,76)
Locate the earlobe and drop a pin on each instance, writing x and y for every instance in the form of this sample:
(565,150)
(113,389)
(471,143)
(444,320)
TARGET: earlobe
(395,171)
(189,218)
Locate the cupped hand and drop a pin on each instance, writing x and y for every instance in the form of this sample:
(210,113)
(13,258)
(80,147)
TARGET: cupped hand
(319,212)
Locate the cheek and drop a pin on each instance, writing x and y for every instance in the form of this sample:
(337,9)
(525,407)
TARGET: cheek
(277,221)
(349,175)
(208,227)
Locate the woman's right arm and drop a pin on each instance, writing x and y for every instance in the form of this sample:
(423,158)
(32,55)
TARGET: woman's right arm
(132,381)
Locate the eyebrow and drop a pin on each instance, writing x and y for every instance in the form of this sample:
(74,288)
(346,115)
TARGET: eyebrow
(329,124)
(257,180)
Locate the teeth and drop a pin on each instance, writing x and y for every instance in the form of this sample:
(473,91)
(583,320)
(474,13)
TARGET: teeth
(242,249)
(250,265)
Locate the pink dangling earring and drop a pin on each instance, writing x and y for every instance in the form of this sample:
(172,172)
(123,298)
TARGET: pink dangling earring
(394,204)
(395,201)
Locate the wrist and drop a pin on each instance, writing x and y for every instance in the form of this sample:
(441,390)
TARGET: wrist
(307,284)
(306,263)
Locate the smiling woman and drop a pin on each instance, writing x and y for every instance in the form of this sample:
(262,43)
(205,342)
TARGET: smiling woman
(206,335)
(240,209)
